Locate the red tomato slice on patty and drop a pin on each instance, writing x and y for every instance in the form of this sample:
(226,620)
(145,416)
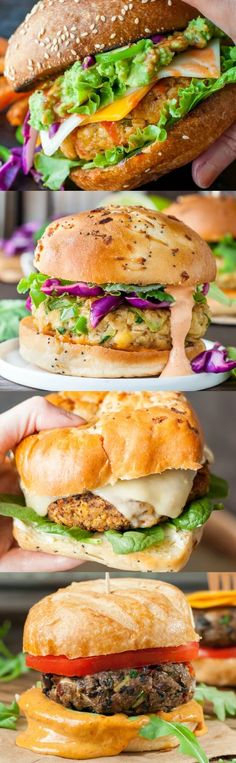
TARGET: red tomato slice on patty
(225,653)
(83,666)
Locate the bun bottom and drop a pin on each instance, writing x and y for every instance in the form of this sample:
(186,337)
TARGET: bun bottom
(217,308)
(202,126)
(57,730)
(59,357)
(216,671)
(171,555)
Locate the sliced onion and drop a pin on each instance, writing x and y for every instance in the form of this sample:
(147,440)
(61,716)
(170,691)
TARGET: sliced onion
(102,307)
(51,145)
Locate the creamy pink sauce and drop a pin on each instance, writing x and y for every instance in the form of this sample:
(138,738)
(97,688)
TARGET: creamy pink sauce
(181,318)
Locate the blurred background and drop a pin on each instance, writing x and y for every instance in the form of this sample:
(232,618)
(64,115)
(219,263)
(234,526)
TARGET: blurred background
(11,15)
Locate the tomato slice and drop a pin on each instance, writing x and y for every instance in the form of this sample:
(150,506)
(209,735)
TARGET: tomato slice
(224,653)
(83,666)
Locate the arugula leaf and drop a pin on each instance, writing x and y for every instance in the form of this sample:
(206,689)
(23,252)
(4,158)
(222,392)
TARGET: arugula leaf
(223,702)
(11,666)
(9,715)
(54,169)
(134,540)
(11,312)
(188,743)
(226,250)
(220,296)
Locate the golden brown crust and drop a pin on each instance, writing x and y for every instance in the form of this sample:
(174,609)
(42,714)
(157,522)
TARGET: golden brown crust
(216,671)
(106,623)
(217,308)
(89,456)
(93,361)
(171,555)
(211,216)
(89,27)
(203,126)
(124,245)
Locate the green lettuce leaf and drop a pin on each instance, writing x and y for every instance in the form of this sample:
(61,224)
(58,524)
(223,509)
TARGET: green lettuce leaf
(188,743)
(131,541)
(226,250)
(53,169)
(11,312)
(11,666)
(218,487)
(223,703)
(196,514)
(43,524)
(9,715)
(152,291)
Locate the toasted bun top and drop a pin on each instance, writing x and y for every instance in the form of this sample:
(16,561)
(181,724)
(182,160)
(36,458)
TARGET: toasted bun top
(211,216)
(58,32)
(124,245)
(108,447)
(84,620)
(209,599)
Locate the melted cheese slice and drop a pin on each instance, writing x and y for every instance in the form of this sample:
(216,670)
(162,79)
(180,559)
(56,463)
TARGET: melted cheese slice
(56,730)
(208,599)
(195,63)
(165,493)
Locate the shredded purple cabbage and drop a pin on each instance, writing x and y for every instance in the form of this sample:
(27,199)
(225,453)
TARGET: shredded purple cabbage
(53,129)
(10,169)
(88,61)
(22,240)
(145,304)
(214,361)
(75,289)
(30,138)
(28,304)
(101,307)
(205,289)
(156,38)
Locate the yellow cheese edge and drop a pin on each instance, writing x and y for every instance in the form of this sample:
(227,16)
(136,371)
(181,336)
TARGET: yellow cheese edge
(207,599)
(56,730)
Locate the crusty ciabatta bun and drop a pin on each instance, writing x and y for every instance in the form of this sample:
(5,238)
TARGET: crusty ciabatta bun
(189,137)
(95,361)
(102,452)
(124,245)
(87,610)
(105,450)
(212,217)
(58,32)
(103,623)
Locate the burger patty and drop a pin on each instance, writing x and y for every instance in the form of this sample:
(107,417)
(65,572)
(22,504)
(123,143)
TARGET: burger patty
(92,513)
(123,328)
(133,692)
(217,627)
(91,139)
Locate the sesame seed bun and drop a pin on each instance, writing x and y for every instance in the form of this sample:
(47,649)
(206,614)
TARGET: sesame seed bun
(186,141)
(39,48)
(210,216)
(131,245)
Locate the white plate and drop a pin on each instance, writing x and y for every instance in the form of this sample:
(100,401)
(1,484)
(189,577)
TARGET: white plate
(15,369)
(224,320)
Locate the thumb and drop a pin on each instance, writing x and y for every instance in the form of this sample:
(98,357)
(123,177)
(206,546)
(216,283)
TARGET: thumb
(209,165)
(29,417)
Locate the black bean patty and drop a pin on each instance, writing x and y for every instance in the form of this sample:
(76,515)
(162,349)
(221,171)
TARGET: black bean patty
(217,627)
(133,692)
(92,513)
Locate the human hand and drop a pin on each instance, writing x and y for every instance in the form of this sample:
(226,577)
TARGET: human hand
(27,418)
(207,167)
